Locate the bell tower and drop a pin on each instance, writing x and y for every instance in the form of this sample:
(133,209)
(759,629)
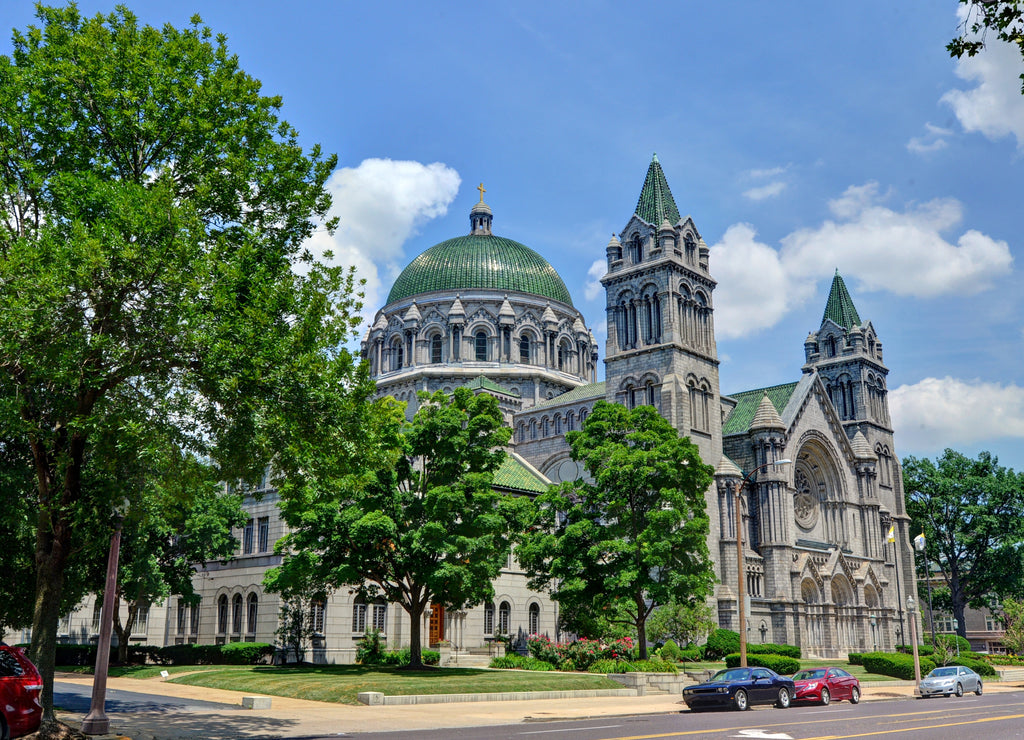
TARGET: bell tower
(661,341)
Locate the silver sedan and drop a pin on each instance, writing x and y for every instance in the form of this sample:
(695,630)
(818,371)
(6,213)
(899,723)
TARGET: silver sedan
(949,680)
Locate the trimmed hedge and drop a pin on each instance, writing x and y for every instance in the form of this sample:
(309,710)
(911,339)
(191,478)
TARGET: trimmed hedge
(245,653)
(720,643)
(690,655)
(897,665)
(521,662)
(401,657)
(855,658)
(632,666)
(669,651)
(978,666)
(85,655)
(770,648)
(781,664)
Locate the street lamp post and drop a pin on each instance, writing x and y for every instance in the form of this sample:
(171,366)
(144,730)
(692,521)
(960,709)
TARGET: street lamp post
(912,608)
(96,721)
(874,632)
(740,570)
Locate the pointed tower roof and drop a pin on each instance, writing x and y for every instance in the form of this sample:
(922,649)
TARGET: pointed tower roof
(840,308)
(656,203)
(766,416)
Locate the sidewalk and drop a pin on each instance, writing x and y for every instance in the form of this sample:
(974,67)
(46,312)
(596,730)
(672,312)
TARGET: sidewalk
(299,718)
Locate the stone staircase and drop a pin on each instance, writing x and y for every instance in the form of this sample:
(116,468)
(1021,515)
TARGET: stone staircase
(473,658)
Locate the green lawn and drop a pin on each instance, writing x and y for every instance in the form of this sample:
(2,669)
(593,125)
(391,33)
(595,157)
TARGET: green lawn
(137,671)
(341,683)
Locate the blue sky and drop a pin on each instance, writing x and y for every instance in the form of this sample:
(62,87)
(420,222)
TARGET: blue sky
(801,137)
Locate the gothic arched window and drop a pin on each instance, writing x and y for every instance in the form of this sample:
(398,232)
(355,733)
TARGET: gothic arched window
(481,345)
(524,349)
(435,349)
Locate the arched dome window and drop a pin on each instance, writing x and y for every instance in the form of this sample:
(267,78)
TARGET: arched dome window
(480,345)
(524,349)
(435,349)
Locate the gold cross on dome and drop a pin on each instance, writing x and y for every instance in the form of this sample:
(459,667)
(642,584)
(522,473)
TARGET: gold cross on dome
(482,190)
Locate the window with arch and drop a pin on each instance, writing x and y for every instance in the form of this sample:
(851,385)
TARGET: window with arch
(650,393)
(435,349)
(317,613)
(480,345)
(397,355)
(691,248)
(636,245)
(359,615)
(194,620)
(564,356)
(222,614)
(533,429)
(252,611)
(534,619)
(570,421)
(489,618)
(583,416)
(558,424)
(830,347)
(544,427)
(236,614)
(504,618)
(524,349)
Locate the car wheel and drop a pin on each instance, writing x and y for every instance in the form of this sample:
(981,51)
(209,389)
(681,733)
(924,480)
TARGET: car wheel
(741,700)
(783,702)
(855,695)
(959,689)
(978,690)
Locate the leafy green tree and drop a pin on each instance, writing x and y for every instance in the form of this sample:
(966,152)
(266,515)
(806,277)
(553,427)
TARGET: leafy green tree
(1004,19)
(684,623)
(422,525)
(636,537)
(152,209)
(970,513)
(1013,621)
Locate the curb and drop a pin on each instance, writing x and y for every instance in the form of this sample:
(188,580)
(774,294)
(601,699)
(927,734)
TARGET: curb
(375,698)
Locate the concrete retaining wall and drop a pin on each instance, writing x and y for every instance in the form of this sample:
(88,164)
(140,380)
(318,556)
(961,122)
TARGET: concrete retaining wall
(375,698)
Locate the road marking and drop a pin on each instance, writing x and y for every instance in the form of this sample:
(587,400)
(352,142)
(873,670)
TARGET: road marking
(893,730)
(764,735)
(571,729)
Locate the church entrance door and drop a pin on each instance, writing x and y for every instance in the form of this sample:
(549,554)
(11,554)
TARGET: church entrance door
(436,624)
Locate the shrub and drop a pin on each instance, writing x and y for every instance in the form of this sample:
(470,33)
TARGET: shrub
(522,662)
(580,654)
(245,653)
(995,659)
(401,657)
(978,666)
(542,648)
(68,654)
(771,648)
(950,642)
(690,655)
(567,665)
(370,648)
(654,666)
(855,658)
(781,664)
(669,651)
(721,643)
(898,665)
(610,665)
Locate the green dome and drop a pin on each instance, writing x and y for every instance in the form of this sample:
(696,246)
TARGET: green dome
(480,262)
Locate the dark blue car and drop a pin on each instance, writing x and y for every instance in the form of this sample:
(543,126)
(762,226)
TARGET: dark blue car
(738,688)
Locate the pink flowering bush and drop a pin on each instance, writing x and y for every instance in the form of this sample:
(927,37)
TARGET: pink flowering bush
(581,654)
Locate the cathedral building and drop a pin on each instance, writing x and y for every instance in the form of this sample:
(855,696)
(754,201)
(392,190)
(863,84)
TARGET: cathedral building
(811,463)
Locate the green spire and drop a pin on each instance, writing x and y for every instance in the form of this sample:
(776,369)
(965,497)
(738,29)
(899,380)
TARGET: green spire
(656,202)
(840,308)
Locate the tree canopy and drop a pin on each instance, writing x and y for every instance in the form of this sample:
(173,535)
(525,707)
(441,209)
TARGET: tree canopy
(1003,18)
(152,208)
(635,537)
(420,525)
(970,513)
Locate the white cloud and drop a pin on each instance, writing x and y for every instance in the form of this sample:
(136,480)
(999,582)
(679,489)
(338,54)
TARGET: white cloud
(881,247)
(593,288)
(933,140)
(381,204)
(948,412)
(772,172)
(754,288)
(994,107)
(876,245)
(770,190)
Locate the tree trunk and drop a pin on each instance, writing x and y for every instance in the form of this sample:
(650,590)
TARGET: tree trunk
(51,557)
(124,632)
(415,649)
(641,627)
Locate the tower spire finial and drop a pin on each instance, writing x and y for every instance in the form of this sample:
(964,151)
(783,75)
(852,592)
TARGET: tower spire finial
(656,202)
(839,307)
(482,190)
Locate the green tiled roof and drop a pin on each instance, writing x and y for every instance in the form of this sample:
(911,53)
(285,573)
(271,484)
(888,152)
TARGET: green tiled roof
(840,308)
(485,383)
(747,402)
(656,202)
(579,393)
(480,261)
(513,474)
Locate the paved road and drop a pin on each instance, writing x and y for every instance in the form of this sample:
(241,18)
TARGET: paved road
(992,717)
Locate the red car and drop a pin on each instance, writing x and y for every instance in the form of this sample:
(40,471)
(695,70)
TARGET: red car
(20,686)
(824,685)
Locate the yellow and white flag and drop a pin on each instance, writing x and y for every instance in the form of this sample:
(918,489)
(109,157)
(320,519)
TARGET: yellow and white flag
(919,542)
(891,537)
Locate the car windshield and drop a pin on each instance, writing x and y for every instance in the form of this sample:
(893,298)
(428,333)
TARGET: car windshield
(804,675)
(732,674)
(942,672)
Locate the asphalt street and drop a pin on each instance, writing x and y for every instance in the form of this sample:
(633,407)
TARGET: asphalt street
(78,698)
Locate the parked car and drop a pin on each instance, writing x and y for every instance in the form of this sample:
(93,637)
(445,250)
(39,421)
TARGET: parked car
(738,688)
(20,686)
(949,680)
(825,685)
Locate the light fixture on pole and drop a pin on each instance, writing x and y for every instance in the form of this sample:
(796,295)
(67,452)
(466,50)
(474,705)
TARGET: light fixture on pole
(921,546)
(740,569)
(96,721)
(874,631)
